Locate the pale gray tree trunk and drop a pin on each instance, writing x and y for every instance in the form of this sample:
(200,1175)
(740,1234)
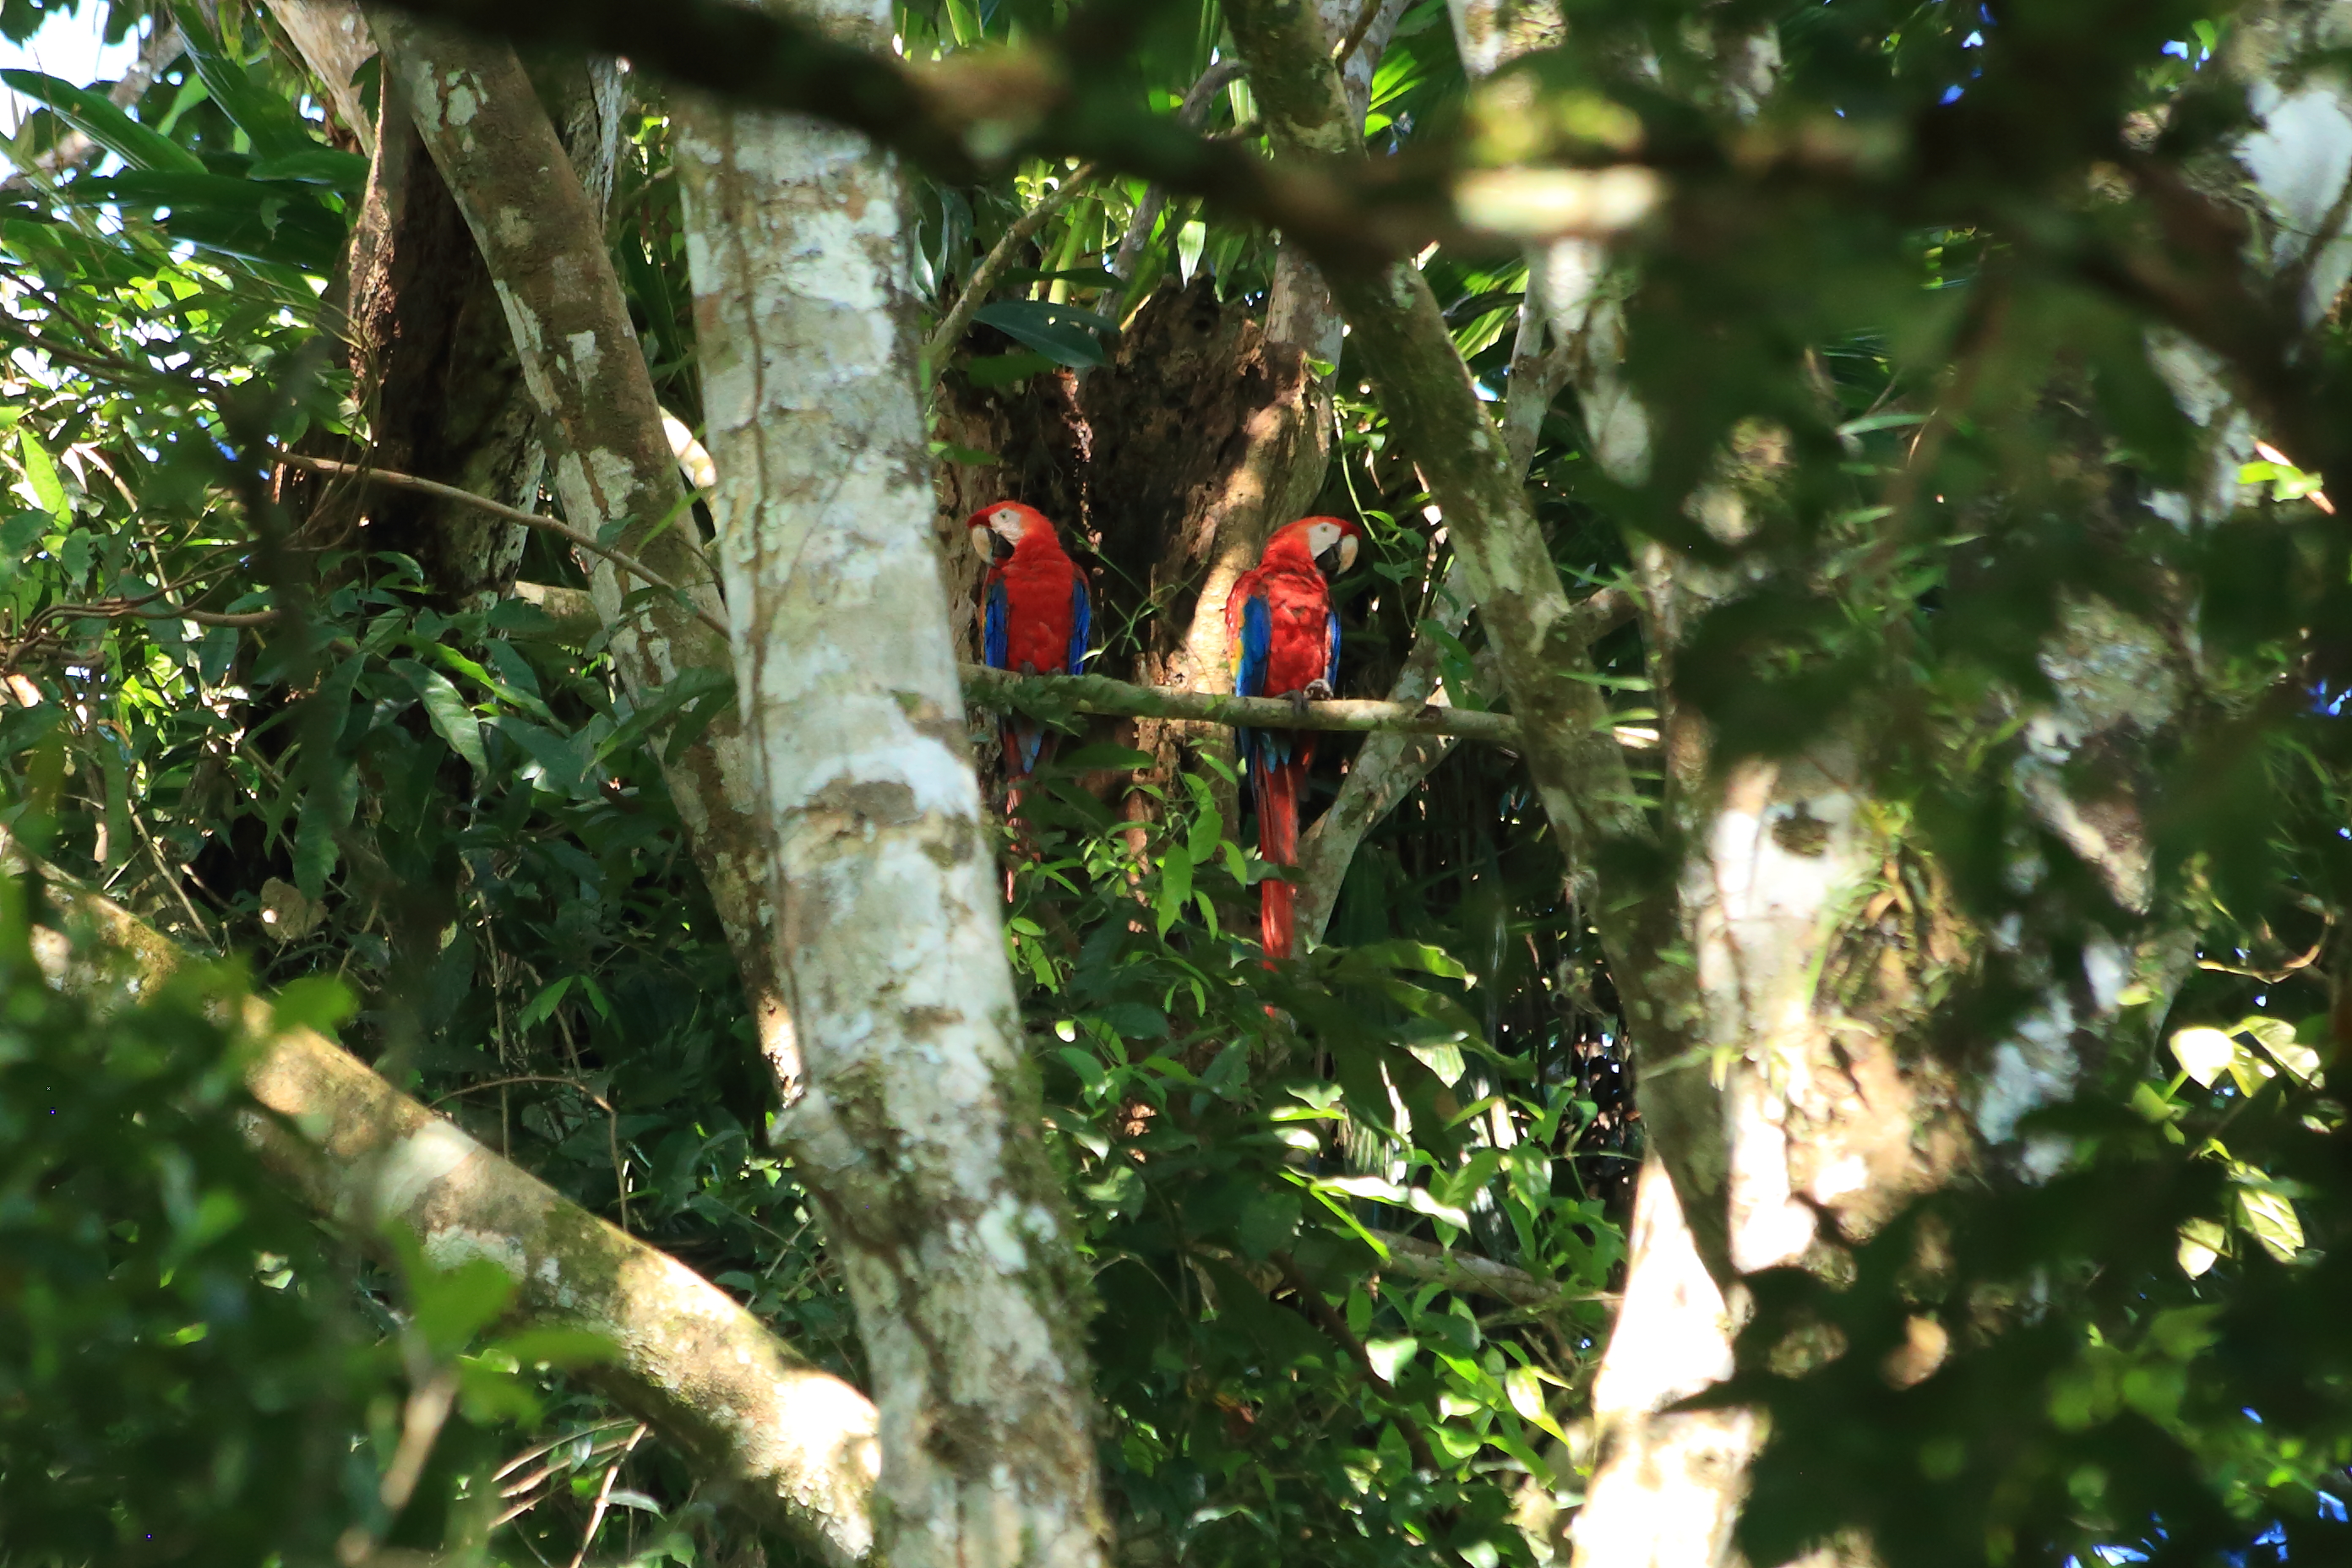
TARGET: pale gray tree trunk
(921,1132)
(541,239)
(1806,1123)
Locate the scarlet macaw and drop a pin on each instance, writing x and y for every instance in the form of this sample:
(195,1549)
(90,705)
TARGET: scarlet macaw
(1035,618)
(1286,643)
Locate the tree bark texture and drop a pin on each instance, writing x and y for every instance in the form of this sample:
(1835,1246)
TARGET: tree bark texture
(333,39)
(432,356)
(538,234)
(793,1447)
(1385,769)
(920,1133)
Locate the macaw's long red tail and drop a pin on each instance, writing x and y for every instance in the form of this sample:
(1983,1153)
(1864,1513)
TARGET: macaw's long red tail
(1027,748)
(1276,788)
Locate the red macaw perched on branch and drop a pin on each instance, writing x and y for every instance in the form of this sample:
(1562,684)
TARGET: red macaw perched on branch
(1035,619)
(1286,643)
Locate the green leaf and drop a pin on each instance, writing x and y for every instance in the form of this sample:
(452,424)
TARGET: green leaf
(279,223)
(326,812)
(1063,333)
(344,172)
(41,476)
(447,711)
(1524,1393)
(92,114)
(317,1002)
(988,372)
(451,1306)
(1175,887)
(1388,1356)
(268,122)
(558,1348)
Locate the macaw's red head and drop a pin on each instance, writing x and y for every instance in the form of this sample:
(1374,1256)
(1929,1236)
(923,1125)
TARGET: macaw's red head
(1330,542)
(998,529)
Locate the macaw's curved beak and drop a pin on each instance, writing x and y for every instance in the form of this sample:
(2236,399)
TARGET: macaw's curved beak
(1338,557)
(1001,546)
(989,544)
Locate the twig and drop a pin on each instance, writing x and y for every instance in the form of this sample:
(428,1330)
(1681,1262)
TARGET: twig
(533,1452)
(1100,694)
(1219,75)
(1345,50)
(612,1120)
(958,320)
(604,1495)
(115,609)
(399,481)
(155,853)
(1336,1325)
(1469,1273)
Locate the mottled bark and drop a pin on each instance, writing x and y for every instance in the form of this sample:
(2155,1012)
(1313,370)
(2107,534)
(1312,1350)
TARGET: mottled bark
(332,38)
(538,234)
(920,1134)
(792,1445)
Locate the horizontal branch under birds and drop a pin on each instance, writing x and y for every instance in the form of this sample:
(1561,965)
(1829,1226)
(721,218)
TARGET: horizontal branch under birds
(1101,695)
(575,617)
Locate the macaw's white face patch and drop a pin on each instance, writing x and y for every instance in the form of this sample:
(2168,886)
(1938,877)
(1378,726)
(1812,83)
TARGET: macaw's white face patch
(1323,537)
(1006,523)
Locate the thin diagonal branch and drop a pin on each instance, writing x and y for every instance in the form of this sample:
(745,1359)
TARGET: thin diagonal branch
(620,558)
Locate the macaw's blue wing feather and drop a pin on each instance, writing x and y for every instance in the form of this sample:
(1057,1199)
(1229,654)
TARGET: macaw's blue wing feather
(1253,645)
(1250,649)
(1082,623)
(994,630)
(1331,653)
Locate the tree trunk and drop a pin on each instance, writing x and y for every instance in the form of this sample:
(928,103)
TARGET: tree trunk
(432,354)
(793,1447)
(920,1133)
(540,236)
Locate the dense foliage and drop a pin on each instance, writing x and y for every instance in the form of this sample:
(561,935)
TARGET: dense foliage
(1921,334)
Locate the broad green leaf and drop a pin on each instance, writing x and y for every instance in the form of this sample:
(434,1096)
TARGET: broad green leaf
(1388,1356)
(1175,887)
(267,120)
(41,476)
(1063,333)
(447,711)
(2270,1219)
(2203,1052)
(1524,1391)
(96,118)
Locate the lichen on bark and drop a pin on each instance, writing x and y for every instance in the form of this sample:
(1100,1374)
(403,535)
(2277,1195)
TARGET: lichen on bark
(542,241)
(921,1133)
